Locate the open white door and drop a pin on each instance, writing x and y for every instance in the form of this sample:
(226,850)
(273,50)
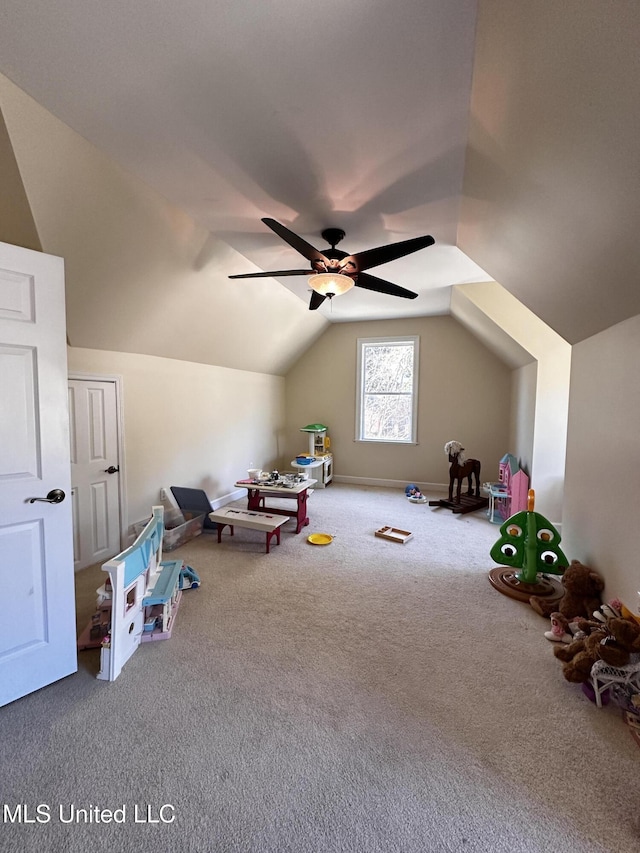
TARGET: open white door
(37,628)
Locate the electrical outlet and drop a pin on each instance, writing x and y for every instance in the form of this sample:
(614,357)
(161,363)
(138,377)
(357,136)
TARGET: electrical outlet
(163,495)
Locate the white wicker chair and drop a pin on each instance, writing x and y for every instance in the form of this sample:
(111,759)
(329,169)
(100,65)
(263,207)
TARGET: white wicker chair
(604,676)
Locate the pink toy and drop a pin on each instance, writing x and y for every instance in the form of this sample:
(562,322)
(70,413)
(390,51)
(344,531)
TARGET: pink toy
(558,632)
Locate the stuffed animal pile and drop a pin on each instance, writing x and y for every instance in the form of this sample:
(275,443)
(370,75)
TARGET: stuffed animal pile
(583,628)
(613,642)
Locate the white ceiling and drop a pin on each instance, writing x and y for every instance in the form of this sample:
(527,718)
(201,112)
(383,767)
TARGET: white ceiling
(335,114)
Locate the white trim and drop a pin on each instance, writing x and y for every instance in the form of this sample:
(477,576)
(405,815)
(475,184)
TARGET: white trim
(391,340)
(122,480)
(236,495)
(391,484)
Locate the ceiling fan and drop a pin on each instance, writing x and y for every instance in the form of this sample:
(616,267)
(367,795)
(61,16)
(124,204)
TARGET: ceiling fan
(334,271)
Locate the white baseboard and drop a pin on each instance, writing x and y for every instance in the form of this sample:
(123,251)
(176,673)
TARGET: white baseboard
(390,484)
(226,499)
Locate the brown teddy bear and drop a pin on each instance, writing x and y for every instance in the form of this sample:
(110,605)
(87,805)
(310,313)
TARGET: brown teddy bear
(582,588)
(624,641)
(613,643)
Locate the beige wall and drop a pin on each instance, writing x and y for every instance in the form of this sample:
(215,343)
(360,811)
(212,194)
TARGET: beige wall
(189,424)
(524,382)
(16,222)
(553,356)
(464,394)
(603,454)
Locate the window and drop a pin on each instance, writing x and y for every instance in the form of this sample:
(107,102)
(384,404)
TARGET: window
(130,597)
(387,395)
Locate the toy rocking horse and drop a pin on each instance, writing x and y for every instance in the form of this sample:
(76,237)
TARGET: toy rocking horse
(460,469)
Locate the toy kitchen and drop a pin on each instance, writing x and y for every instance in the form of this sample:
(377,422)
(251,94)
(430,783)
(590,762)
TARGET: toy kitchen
(317,463)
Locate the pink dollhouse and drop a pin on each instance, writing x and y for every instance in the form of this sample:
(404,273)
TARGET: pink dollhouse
(516,483)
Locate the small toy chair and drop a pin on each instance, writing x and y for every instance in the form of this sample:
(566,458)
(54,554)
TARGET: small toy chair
(603,676)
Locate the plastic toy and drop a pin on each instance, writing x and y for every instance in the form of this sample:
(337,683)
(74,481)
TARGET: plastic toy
(414,494)
(530,543)
(139,600)
(189,579)
(516,483)
(320,538)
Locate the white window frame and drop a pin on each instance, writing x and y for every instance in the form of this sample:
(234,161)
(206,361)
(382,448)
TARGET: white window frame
(387,341)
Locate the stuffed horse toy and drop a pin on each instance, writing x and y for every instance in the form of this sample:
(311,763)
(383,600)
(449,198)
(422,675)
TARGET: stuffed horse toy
(461,468)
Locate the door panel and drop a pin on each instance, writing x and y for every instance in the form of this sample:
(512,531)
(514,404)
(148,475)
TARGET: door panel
(18,432)
(37,629)
(25,614)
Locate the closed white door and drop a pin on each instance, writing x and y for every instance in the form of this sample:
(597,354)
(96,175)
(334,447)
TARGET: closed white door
(95,471)
(37,625)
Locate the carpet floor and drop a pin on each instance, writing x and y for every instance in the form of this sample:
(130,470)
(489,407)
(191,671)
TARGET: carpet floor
(363,696)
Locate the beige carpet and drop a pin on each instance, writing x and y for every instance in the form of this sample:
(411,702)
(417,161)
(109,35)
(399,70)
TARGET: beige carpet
(365,696)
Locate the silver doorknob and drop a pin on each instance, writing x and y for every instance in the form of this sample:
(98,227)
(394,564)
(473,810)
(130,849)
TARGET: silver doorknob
(55,496)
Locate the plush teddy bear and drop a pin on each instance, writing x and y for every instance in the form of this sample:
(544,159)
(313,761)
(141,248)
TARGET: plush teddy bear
(579,656)
(613,643)
(624,640)
(582,588)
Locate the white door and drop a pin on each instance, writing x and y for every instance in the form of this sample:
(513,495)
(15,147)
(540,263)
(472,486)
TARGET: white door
(37,624)
(95,471)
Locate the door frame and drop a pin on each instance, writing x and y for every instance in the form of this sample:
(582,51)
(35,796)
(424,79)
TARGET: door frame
(122,487)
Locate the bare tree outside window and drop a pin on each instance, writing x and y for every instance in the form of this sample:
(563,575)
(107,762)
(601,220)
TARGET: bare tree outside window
(387,370)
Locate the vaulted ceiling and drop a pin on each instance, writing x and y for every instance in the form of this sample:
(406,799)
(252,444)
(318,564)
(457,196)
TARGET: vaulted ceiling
(507,131)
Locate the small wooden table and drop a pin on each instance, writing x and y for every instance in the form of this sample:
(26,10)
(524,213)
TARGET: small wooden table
(257,492)
(234,517)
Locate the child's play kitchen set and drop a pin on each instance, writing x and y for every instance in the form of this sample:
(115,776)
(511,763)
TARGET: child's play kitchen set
(318,461)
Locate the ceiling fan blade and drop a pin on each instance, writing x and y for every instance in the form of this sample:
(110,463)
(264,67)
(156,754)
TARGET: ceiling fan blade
(316,300)
(300,245)
(372,282)
(374,257)
(274,273)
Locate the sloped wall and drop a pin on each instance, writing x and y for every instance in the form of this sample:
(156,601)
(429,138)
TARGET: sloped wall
(141,276)
(551,196)
(16,221)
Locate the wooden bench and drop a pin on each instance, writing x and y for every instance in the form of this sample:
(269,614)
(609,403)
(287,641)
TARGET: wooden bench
(252,520)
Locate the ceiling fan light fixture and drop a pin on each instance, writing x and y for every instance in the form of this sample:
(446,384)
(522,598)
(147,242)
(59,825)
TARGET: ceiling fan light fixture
(331,284)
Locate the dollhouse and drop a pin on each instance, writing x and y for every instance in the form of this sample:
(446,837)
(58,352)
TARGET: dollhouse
(515,483)
(138,601)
